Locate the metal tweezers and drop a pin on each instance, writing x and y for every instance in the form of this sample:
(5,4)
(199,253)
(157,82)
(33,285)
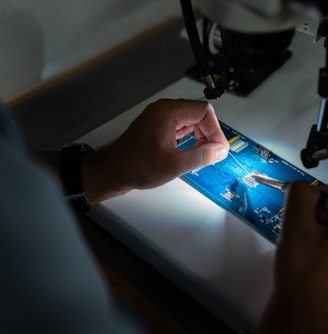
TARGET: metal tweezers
(273,183)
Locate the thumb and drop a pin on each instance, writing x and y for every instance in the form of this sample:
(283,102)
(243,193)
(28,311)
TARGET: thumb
(201,156)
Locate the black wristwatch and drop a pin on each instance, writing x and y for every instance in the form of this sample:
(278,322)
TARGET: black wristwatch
(71,174)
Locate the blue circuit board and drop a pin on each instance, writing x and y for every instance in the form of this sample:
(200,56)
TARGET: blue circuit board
(230,184)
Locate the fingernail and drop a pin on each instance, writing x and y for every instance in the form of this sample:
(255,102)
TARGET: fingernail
(221,152)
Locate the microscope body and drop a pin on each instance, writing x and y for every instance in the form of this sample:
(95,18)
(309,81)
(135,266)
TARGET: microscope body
(254,36)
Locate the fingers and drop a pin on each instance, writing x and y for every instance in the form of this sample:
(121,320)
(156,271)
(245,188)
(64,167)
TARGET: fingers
(202,116)
(301,207)
(201,156)
(322,206)
(306,211)
(189,115)
(150,142)
(305,232)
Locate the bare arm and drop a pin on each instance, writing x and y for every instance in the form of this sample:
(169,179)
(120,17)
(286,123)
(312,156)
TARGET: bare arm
(146,155)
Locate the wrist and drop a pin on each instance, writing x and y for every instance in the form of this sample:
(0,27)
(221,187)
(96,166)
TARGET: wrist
(102,176)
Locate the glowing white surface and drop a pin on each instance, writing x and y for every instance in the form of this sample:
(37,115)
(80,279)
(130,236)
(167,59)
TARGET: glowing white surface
(206,251)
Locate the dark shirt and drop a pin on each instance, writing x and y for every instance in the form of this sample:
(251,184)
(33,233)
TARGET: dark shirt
(48,282)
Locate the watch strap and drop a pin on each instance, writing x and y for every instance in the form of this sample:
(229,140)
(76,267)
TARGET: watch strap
(71,174)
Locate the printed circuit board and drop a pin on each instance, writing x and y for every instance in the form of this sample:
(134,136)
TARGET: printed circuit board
(230,184)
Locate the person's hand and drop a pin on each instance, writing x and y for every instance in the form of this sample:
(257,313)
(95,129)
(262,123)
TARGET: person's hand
(146,155)
(299,302)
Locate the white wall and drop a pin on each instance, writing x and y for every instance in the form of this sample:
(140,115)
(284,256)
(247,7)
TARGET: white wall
(42,38)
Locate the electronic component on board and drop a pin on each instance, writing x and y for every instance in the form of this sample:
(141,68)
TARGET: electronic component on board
(250,180)
(277,228)
(238,145)
(263,152)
